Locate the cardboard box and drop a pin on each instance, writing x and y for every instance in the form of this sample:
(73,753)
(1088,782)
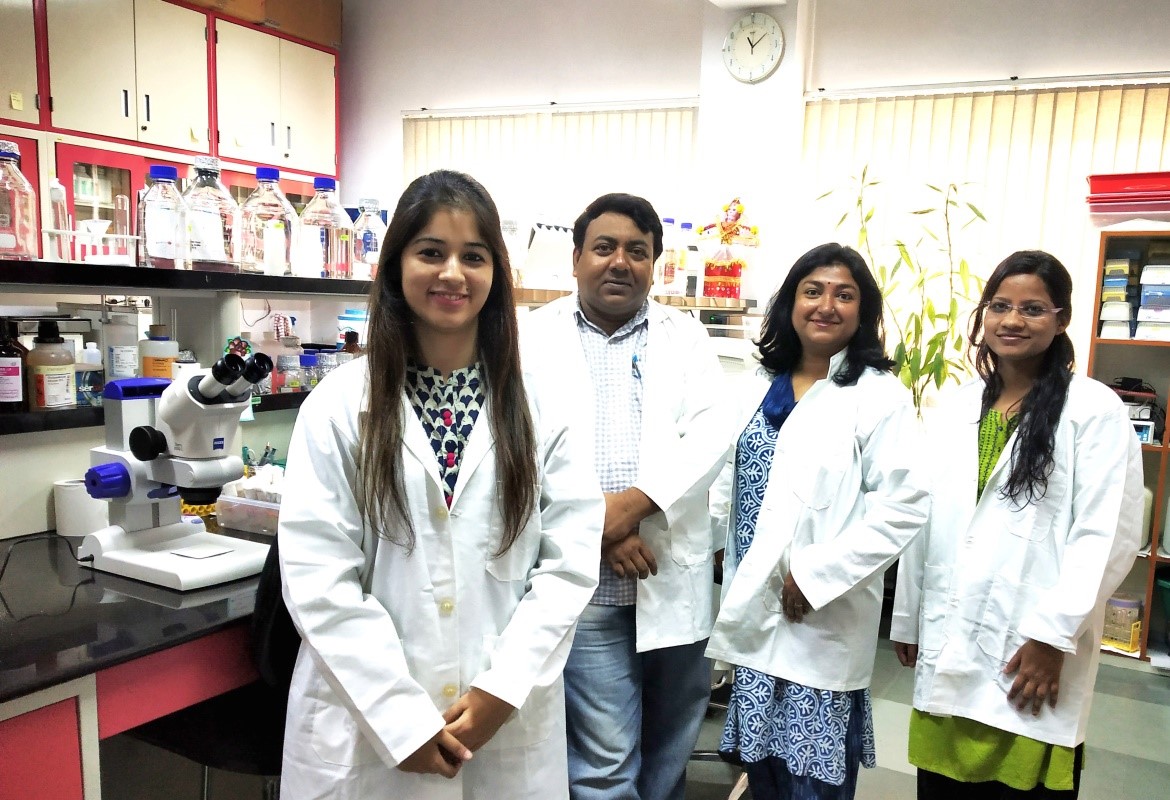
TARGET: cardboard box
(317,21)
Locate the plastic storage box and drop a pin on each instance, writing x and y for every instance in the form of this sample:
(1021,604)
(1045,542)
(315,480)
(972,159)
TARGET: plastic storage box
(253,516)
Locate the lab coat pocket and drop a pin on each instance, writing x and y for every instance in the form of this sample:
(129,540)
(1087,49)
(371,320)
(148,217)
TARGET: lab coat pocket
(532,722)
(334,733)
(690,540)
(518,561)
(1033,522)
(935,595)
(998,637)
(816,488)
(773,591)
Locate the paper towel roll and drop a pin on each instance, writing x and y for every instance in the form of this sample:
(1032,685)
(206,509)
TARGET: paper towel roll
(77,513)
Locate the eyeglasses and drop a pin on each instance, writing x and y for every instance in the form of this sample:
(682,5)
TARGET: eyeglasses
(1029,311)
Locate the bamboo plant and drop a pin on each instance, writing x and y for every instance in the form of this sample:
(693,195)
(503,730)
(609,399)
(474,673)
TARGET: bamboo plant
(928,287)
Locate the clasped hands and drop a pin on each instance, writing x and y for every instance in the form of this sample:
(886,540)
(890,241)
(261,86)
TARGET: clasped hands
(621,546)
(472,721)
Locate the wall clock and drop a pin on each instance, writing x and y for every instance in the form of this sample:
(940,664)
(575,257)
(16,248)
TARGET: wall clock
(753,47)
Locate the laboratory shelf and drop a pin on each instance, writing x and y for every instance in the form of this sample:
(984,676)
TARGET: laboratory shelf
(81,278)
(41,421)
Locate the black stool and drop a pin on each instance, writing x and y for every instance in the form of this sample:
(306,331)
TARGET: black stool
(239,731)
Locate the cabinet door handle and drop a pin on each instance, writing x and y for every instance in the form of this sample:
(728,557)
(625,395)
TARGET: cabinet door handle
(273,133)
(147,108)
(126,103)
(288,136)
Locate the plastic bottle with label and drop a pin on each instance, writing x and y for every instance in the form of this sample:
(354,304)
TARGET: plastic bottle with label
(691,261)
(90,376)
(52,384)
(368,232)
(156,353)
(671,281)
(60,247)
(267,224)
(213,220)
(18,207)
(326,235)
(13,364)
(120,344)
(162,221)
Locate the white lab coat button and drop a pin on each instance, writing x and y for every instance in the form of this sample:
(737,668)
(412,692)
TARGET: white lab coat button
(441,512)
(446,606)
(450,690)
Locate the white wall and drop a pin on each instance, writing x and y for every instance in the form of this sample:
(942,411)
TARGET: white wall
(446,54)
(411,54)
(862,43)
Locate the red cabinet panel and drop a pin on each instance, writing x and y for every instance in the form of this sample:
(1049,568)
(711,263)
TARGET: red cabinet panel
(40,754)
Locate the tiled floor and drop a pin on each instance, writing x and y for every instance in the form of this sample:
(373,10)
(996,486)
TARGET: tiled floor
(1127,754)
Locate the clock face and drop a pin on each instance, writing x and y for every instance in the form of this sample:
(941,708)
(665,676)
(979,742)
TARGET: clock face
(753,47)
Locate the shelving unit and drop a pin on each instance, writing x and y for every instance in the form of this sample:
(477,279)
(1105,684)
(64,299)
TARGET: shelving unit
(56,277)
(1149,360)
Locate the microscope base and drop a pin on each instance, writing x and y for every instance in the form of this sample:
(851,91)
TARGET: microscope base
(181,556)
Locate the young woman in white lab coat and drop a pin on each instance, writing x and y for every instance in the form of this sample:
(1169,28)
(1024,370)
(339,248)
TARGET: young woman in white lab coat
(825,493)
(1036,516)
(438,535)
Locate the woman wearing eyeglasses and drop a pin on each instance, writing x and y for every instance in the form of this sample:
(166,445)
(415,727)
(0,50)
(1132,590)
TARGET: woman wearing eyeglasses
(1036,512)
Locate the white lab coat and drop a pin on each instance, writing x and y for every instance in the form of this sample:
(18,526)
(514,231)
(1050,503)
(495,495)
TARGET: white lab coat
(845,495)
(987,576)
(684,439)
(375,671)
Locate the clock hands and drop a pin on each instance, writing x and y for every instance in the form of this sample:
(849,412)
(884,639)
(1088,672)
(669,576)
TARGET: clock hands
(752,44)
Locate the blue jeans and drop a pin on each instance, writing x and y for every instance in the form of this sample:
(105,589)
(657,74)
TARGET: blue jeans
(633,718)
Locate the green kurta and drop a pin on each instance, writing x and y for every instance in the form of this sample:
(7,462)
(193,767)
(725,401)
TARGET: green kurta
(969,751)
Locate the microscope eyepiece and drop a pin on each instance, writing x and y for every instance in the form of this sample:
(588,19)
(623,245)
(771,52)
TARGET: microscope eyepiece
(222,375)
(255,369)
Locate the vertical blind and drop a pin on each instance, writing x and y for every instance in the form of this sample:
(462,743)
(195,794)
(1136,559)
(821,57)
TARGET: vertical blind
(550,164)
(1022,157)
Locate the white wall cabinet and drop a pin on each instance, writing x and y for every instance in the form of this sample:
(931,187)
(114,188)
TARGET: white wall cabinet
(276,101)
(18,62)
(131,69)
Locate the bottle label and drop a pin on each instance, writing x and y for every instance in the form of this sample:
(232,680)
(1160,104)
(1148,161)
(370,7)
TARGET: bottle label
(162,225)
(122,361)
(157,366)
(11,381)
(205,239)
(368,245)
(90,383)
(275,247)
(54,386)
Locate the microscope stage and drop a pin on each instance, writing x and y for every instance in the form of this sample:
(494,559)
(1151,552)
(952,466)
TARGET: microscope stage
(179,556)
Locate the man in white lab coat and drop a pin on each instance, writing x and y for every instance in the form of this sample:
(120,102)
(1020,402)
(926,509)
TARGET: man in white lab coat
(642,381)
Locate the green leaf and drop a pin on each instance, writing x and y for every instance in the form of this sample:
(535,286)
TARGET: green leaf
(940,371)
(869,216)
(844,217)
(931,186)
(924,211)
(826,194)
(864,170)
(976,211)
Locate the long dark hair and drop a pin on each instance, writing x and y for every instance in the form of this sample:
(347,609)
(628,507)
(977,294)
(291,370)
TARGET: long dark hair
(382,498)
(1041,407)
(780,348)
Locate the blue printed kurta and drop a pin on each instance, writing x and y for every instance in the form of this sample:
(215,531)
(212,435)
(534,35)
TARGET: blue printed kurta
(769,716)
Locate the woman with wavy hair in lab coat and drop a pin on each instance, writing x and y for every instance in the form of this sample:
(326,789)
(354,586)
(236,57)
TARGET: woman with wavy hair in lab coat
(438,535)
(825,493)
(1037,511)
